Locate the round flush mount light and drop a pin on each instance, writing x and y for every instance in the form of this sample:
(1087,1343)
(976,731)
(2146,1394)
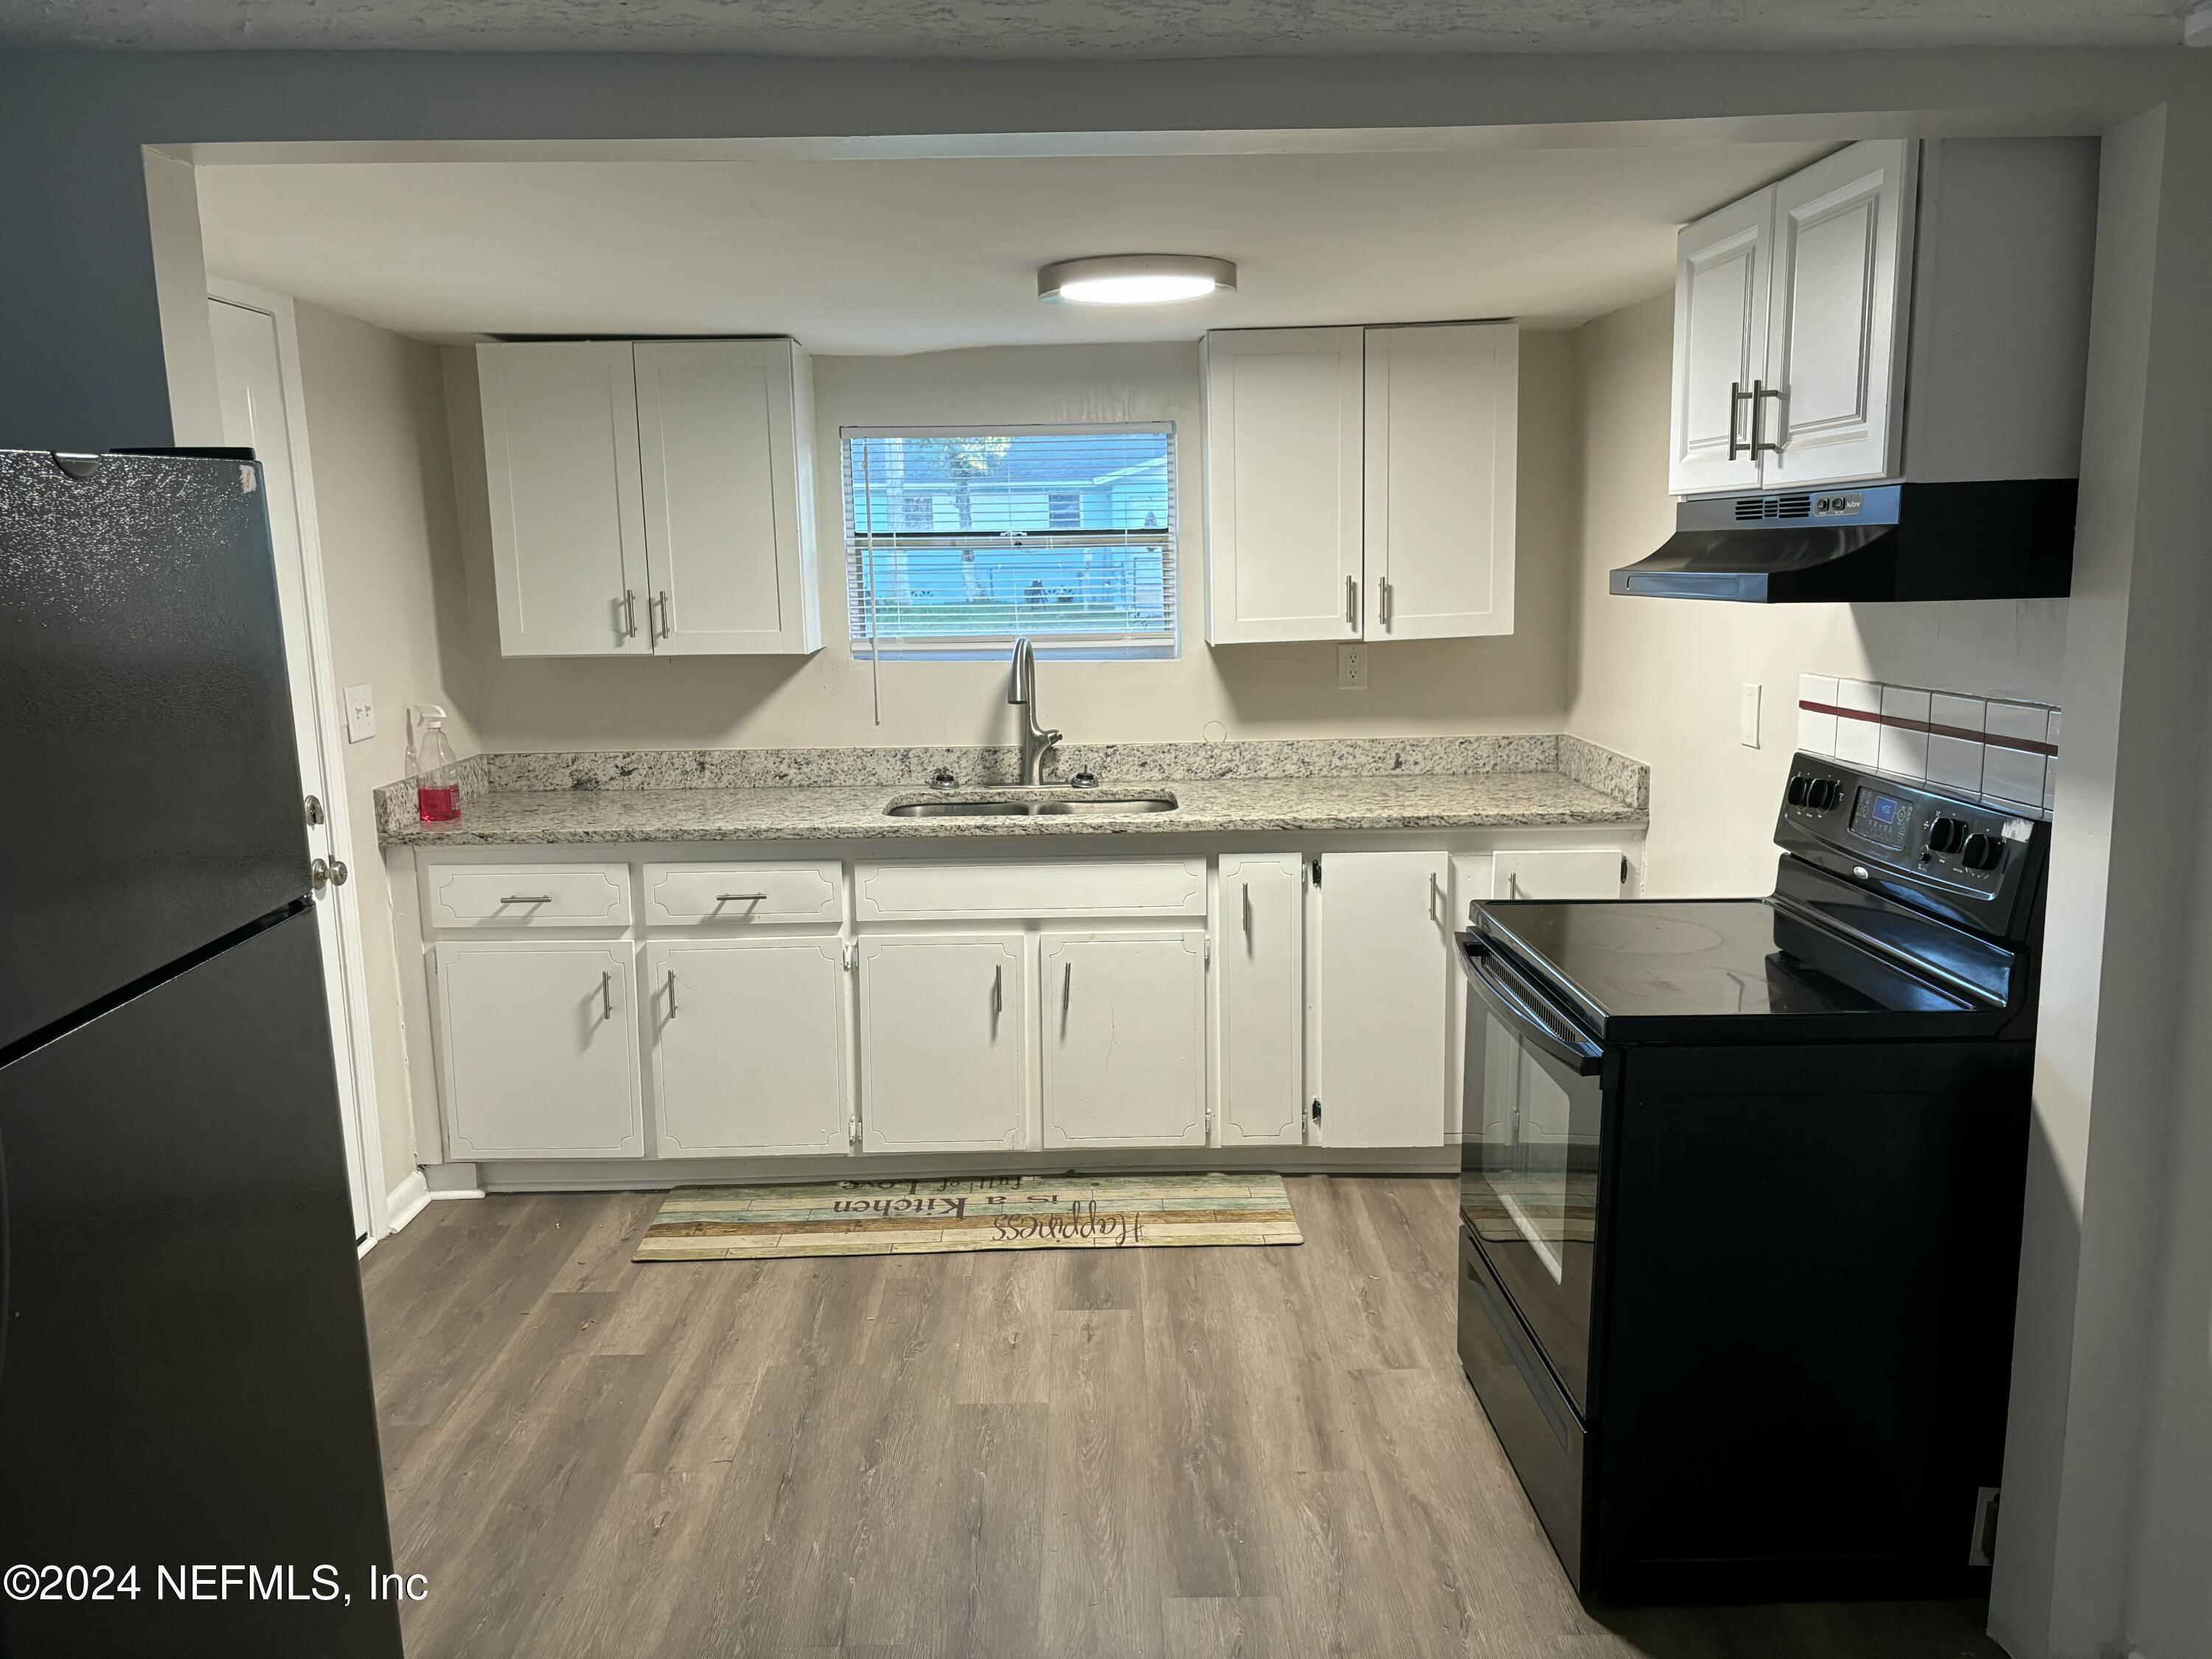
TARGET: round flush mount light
(1135,279)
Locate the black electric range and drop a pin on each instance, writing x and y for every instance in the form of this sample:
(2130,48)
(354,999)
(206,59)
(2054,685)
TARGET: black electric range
(1741,1203)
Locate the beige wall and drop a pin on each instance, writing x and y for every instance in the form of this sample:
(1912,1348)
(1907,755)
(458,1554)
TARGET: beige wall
(1507,684)
(1660,679)
(391,571)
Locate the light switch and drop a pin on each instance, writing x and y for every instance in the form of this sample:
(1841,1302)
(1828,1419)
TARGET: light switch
(1352,667)
(359,713)
(1746,718)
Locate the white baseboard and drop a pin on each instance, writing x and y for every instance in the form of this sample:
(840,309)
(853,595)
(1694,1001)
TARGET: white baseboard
(406,1202)
(453,1181)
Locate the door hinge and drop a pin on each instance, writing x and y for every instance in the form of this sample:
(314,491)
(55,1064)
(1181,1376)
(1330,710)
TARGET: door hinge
(1206,952)
(1624,869)
(1316,872)
(853,1130)
(850,952)
(1981,1547)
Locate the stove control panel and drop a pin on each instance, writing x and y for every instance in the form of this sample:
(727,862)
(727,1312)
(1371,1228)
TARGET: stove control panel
(1884,832)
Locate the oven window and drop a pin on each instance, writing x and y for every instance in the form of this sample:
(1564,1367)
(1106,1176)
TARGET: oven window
(1530,1188)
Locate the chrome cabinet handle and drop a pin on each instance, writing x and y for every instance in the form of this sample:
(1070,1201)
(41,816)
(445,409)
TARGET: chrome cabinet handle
(1247,907)
(740,898)
(1351,601)
(630,613)
(667,626)
(997,991)
(1384,583)
(527,898)
(1737,395)
(1761,391)
(672,994)
(606,995)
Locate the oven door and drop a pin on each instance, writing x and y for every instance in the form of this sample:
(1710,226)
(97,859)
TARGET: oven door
(1529,1162)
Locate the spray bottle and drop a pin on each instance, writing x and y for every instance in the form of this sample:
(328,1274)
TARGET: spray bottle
(430,764)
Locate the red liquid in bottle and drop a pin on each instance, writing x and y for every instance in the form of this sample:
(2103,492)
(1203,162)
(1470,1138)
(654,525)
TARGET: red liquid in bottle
(438,803)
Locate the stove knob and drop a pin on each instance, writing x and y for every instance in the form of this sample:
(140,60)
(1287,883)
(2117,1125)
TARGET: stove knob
(1798,788)
(1945,835)
(1823,794)
(1982,852)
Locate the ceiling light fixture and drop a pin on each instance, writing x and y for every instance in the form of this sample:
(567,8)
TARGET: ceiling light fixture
(1135,279)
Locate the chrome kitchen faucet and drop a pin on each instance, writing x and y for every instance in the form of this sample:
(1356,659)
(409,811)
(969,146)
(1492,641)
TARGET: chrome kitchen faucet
(1036,741)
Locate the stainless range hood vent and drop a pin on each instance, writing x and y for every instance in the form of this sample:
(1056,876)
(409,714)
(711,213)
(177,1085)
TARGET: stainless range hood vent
(1873,544)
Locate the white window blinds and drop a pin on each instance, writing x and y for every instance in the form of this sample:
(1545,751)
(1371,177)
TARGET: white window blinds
(958,542)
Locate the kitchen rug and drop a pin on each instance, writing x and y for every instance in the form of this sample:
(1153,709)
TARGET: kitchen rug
(1005,1213)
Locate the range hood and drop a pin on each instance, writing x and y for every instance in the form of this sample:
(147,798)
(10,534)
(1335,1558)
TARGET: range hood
(2005,540)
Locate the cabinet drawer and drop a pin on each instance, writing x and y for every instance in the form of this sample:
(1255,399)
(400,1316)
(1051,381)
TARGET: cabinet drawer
(1121,887)
(693,895)
(527,895)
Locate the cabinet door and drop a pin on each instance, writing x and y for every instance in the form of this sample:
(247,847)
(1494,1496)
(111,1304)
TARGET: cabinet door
(1722,277)
(1284,466)
(567,528)
(944,1048)
(749,1046)
(1836,330)
(1385,928)
(1260,971)
(539,1050)
(1124,1039)
(728,532)
(1443,419)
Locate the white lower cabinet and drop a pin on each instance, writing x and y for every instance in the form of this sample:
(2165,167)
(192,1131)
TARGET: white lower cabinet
(1261,974)
(749,1046)
(1124,1038)
(1384,928)
(944,1061)
(539,1049)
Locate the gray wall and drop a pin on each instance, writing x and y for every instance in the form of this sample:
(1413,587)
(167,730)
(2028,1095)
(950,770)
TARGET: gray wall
(2081,1563)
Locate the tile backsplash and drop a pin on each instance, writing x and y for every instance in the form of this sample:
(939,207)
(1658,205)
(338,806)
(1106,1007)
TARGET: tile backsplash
(1998,750)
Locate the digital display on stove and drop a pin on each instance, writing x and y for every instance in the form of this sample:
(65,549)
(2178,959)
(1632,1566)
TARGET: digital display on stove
(1882,819)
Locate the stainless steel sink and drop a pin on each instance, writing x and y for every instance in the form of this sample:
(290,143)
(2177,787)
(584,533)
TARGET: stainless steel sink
(1057,806)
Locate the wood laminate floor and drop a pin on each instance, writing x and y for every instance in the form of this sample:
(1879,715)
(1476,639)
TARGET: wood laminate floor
(1266,1453)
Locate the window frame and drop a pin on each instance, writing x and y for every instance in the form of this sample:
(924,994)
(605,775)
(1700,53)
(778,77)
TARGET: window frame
(862,542)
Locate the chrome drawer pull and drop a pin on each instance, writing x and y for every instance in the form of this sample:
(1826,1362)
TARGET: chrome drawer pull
(739,898)
(527,898)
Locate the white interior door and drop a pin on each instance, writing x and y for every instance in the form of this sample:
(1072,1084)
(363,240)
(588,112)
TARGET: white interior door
(1124,1038)
(751,1049)
(944,1056)
(1443,447)
(1385,928)
(1262,976)
(1722,275)
(1283,467)
(560,472)
(1836,329)
(723,519)
(250,376)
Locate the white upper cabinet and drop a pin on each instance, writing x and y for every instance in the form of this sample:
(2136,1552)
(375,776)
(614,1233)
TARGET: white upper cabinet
(1721,265)
(1835,331)
(727,504)
(1359,481)
(1442,441)
(567,528)
(1283,466)
(653,497)
(1790,327)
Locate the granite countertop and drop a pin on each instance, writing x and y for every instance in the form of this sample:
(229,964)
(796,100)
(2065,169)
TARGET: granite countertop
(826,795)
(832,812)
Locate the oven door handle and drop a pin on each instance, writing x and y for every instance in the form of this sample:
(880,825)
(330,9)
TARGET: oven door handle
(1514,1000)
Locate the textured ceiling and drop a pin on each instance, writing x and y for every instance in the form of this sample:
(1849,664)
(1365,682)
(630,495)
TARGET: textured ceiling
(901,256)
(1088,28)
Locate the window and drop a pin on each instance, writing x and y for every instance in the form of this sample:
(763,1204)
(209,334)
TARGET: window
(958,542)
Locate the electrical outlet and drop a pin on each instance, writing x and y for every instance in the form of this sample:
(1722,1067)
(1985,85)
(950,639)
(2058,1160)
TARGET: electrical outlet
(1747,715)
(359,713)
(1352,667)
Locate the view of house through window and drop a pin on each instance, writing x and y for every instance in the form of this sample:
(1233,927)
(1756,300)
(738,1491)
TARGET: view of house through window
(959,542)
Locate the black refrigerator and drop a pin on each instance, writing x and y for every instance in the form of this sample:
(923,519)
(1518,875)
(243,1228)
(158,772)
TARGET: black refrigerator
(184,1366)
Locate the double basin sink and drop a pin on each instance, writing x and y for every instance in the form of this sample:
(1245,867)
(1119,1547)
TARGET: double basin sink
(1006,804)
